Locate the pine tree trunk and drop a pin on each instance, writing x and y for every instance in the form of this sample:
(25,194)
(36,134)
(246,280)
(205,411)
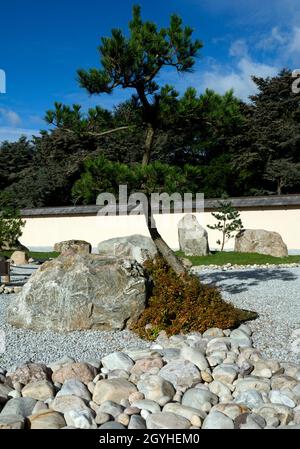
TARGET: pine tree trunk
(164,250)
(148,145)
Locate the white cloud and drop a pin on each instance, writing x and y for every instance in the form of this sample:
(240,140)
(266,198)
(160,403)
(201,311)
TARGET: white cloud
(275,39)
(12,134)
(238,48)
(9,117)
(237,78)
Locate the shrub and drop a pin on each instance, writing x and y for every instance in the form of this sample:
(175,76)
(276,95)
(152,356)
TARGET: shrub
(184,304)
(10,227)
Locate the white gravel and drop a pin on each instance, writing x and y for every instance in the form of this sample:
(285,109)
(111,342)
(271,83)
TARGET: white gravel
(273,293)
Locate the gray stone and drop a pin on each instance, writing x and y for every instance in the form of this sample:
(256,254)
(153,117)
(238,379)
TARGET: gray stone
(112,425)
(81,419)
(81,292)
(198,398)
(225,373)
(192,414)
(147,404)
(156,388)
(217,420)
(181,373)
(260,241)
(239,337)
(111,408)
(136,247)
(193,238)
(166,421)
(251,398)
(117,373)
(76,388)
(117,360)
(283,397)
(136,422)
(71,247)
(195,357)
(19,406)
(14,422)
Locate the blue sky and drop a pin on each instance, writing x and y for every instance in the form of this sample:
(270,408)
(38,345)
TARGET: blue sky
(42,44)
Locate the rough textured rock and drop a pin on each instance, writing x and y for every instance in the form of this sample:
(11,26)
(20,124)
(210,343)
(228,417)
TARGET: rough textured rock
(40,390)
(181,373)
(260,241)
(80,419)
(156,388)
(30,372)
(70,247)
(46,419)
(76,388)
(19,258)
(117,361)
(193,238)
(81,292)
(167,421)
(113,390)
(64,404)
(19,406)
(13,422)
(84,372)
(136,247)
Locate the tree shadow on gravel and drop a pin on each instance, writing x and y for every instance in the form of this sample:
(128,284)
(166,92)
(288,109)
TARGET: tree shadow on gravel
(240,281)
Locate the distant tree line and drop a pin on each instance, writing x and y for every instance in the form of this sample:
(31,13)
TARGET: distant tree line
(208,143)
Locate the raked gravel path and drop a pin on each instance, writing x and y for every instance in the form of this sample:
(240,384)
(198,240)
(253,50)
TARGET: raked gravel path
(273,293)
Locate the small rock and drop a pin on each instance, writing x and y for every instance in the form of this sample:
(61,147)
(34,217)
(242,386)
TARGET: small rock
(111,408)
(30,372)
(166,421)
(81,371)
(76,388)
(113,390)
(217,420)
(156,388)
(147,404)
(81,419)
(136,422)
(39,390)
(46,419)
(117,360)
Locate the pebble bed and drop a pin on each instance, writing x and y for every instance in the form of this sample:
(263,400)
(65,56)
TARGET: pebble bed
(216,380)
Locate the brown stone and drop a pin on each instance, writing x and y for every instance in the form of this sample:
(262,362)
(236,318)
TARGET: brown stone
(80,371)
(30,372)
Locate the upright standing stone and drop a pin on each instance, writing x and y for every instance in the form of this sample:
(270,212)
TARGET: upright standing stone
(193,238)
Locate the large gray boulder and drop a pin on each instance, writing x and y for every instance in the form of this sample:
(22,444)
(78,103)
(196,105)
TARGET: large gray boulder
(260,241)
(69,247)
(193,238)
(137,247)
(81,292)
